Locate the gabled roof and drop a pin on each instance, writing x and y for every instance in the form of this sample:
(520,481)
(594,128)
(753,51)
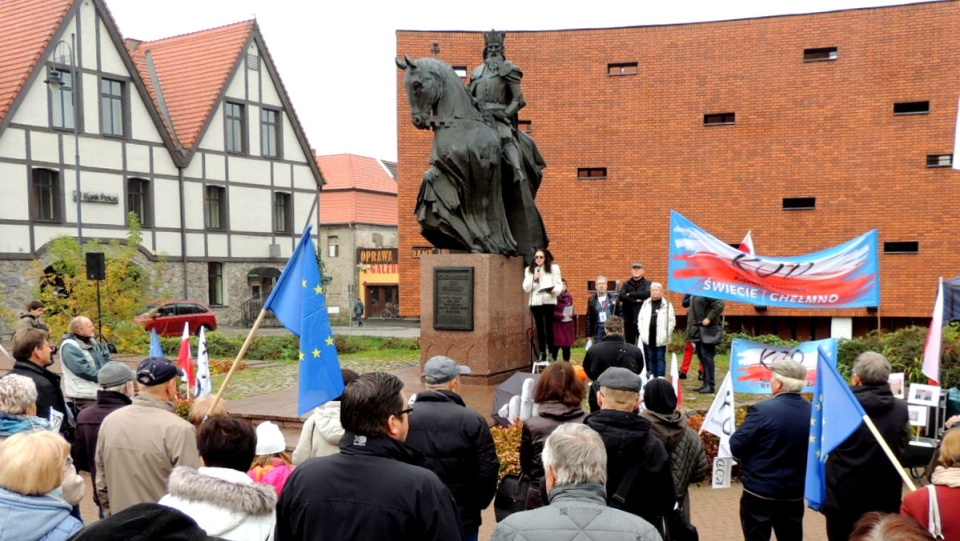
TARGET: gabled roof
(352,172)
(26,30)
(359,190)
(193,71)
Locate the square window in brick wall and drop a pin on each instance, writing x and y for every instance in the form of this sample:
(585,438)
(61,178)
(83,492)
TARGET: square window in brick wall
(820,54)
(902,247)
(911,108)
(719,119)
(799,203)
(623,68)
(939,160)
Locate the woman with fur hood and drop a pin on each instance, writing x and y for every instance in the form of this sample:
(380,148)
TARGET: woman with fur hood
(688,460)
(220,496)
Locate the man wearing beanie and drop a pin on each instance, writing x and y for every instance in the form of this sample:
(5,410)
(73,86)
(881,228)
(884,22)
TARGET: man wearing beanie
(688,460)
(456,442)
(638,467)
(116,391)
(140,444)
(771,447)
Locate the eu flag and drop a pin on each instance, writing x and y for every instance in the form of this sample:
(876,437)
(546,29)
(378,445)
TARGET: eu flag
(155,349)
(836,414)
(299,302)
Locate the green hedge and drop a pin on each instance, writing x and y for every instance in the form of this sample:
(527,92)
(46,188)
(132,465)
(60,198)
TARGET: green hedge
(272,348)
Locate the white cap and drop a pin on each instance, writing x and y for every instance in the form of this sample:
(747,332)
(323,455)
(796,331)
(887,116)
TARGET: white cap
(269,439)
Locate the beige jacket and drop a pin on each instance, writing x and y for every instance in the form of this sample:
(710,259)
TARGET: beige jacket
(321,434)
(138,447)
(551,281)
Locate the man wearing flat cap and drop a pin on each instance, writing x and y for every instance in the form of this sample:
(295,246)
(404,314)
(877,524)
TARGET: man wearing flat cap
(771,447)
(140,444)
(116,391)
(456,441)
(632,294)
(639,479)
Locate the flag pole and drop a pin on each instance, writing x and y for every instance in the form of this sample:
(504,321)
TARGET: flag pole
(889,453)
(236,362)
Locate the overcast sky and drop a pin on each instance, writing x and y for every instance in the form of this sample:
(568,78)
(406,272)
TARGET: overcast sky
(357,114)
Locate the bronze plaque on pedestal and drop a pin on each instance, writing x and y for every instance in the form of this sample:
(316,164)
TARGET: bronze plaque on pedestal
(453,298)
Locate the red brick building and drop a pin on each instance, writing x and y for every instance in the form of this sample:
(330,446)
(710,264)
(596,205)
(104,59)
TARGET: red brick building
(807,130)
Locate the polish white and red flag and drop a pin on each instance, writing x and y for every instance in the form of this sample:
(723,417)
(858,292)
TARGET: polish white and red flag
(746,245)
(184,360)
(931,351)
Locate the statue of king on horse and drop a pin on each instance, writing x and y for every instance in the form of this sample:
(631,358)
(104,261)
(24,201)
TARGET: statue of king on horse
(478,194)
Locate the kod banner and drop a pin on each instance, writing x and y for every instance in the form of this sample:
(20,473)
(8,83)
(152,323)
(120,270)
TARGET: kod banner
(845,276)
(752,363)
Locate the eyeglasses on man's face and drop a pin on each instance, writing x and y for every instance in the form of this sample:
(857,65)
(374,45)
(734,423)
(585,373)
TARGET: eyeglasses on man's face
(407,411)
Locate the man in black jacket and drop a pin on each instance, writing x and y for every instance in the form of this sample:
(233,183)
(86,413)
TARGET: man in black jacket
(456,441)
(772,449)
(632,294)
(703,312)
(34,354)
(860,477)
(375,487)
(639,479)
(612,351)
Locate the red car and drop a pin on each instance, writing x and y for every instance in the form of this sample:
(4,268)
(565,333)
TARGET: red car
(169,317)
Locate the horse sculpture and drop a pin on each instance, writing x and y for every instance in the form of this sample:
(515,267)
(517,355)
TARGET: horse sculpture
(468,201)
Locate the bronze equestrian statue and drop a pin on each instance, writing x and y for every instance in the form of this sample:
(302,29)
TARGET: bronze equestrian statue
(478,194)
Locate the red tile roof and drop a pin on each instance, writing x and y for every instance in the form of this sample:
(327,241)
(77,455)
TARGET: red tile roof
(26,28)
(358,190)
(352,172)
(193,70)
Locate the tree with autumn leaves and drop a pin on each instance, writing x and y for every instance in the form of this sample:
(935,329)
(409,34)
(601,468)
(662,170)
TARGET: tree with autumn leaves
(65,290)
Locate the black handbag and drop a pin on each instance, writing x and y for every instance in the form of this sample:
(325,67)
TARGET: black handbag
(511,495)
(677,529)
(711,334)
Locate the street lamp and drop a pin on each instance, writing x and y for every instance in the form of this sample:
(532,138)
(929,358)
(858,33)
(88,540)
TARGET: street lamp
(55,80)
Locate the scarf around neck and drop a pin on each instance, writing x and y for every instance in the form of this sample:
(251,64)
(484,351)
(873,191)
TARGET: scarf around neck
(946,476)
(15,424)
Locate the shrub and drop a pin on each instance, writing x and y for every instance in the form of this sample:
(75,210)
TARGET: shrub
(507,442)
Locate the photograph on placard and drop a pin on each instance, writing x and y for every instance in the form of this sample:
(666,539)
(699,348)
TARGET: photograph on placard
(917,415)
(896,384)
(924,395)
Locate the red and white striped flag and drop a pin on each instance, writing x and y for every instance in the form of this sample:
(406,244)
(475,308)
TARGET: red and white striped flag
(747,244)
(184,360)
(931,351)
(675,379)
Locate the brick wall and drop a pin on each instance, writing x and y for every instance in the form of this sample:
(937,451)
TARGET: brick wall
(803,129)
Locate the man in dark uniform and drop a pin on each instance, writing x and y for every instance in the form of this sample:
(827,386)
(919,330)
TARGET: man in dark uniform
(632,294)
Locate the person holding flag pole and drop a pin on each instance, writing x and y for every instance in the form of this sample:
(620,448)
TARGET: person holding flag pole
(721,421)
(858,437)
(299,302)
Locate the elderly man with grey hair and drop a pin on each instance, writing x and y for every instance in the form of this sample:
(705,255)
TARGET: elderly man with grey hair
(771,446)
(860,478)
(575,462)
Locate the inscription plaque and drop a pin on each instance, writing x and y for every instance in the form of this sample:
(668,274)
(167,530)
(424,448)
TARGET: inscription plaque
(453,298)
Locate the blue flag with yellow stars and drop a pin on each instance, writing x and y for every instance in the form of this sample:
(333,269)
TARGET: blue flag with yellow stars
(299,302)
(835,415)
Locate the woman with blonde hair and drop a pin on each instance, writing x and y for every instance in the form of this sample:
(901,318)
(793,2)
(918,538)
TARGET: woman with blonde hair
(946,487)
(32,467)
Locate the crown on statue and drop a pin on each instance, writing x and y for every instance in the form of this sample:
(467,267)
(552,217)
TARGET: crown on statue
(493,36)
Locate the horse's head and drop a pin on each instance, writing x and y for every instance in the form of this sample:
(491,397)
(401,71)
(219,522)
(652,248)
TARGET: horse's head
(424,89)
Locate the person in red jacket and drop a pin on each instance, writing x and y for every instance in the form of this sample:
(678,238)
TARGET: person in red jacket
(946,483)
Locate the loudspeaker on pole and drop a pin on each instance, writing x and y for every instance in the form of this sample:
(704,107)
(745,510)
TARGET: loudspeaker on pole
(96,266)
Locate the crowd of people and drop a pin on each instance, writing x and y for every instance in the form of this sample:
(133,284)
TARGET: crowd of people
(647,320)
(380,463)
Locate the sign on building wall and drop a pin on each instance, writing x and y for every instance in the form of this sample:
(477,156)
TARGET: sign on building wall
(377,256)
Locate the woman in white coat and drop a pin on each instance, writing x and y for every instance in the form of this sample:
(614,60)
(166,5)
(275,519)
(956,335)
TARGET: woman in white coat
(656,323)
(542,281)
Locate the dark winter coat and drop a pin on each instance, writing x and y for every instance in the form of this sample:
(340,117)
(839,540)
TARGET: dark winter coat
(701,308)
(632,294)
(688,459)
(611,351)
(374,488)
(631,443)
(563,331)
(84,449)
(459,448)
(593,312)
(145,522)
(49,393)
(536,429)
(771,446)
(860,477)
